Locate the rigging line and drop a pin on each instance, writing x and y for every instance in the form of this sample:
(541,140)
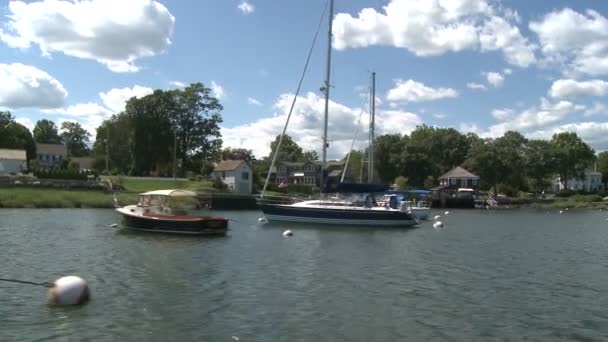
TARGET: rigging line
(44,283)
(295,97)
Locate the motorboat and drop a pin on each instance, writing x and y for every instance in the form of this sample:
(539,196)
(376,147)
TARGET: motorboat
(165,211)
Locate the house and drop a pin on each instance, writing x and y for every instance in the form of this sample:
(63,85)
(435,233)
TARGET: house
(307,172)
(12,161)
(84,163)
(236,174)
(591,182)
(458,181)
(51,155)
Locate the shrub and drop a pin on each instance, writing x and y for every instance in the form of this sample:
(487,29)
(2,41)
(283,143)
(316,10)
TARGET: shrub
(218,184)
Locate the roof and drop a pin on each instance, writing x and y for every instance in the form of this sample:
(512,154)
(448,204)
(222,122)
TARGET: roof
(12,154)
(56,149)
(171,193)
(228,165)
(335,173)
(458,172)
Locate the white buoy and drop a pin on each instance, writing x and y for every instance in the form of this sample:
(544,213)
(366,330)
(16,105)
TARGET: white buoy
(113,225)
(438,224)
(287,233)
(262,220)
(561,211)
(437,217)
(447,213)
(566,209)
(70,290)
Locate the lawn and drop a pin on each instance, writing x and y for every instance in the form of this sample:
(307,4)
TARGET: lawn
(53,198)
(143,185)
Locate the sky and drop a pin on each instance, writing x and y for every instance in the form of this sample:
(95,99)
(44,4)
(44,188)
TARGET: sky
(482,66)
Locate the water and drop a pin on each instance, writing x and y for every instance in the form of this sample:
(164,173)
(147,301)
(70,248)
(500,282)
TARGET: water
(488,275)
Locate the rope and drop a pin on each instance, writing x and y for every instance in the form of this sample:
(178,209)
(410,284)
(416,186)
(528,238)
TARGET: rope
(45,283)
(295,97)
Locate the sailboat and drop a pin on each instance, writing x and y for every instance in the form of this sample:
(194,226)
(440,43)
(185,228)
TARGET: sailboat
(354,204)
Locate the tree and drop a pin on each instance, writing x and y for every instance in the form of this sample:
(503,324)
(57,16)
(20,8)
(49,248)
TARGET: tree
(602,165)
(290,151)
(539,163)
(45,132)
(572,156)
(387,156)
(356,165)
(311,155)
(195,119)
(484,160)
(118,129)
(237,154)
(75,138)
(401,183)
(14,135)
(510,148)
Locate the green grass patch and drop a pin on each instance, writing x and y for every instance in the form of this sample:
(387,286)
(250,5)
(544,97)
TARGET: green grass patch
(143,185)
(51,198)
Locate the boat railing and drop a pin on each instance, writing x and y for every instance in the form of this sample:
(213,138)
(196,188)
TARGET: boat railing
(279,199)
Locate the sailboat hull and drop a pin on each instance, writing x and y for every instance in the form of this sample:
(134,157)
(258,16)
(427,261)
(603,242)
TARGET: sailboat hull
(346,216)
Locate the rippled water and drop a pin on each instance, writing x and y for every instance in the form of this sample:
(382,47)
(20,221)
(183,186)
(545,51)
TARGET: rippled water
(507,275)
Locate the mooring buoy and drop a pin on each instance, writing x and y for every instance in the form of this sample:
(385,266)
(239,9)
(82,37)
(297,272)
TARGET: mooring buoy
(287,233)
(70,290)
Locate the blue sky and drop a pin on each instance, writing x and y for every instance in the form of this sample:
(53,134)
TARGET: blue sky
(482,66)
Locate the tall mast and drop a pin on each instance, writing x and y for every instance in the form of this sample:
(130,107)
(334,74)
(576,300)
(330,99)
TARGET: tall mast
(326,89)
(372,113)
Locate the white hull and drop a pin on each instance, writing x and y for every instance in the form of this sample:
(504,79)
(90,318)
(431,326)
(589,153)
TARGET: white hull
(371,223)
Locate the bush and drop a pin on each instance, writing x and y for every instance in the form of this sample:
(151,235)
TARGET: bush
(63,174)
(219,184)
(586,198)
(300,189)
(507,190)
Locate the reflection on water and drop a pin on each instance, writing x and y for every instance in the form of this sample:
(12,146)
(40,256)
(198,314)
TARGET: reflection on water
(487,275)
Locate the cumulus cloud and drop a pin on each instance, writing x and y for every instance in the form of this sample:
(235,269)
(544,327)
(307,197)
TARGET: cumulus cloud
(116,98)
(115,33)
(27,122)
(597,109)
(496,79)
(25,86)
(502,114)
(307,123)
(246,8)
(217,90)
(412,91)
(577,41)
(177,84)
(253,101)
(473,85)
(593,133)
(90,115)
(572,88)
(546,114)
(435,27)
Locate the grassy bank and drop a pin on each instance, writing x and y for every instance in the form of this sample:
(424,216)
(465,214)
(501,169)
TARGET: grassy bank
(143,185)
(52,198)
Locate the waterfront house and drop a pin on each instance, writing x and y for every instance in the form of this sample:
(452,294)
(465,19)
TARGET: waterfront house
(307,172)
(236,174)
(51,156)
(459,178)
(12,161)
(590,182)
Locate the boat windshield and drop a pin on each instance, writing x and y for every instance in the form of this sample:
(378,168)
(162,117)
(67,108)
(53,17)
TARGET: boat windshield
(149,201)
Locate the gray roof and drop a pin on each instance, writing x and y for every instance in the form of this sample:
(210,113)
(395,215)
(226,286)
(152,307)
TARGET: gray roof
(12,154)
(53,149)
(458,172)
(228,165)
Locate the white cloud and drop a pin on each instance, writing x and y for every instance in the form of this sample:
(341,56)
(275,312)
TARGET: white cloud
(572,88)
(470,128)
(27,122)
(435,27)
(90,115)
(535,117)
(177,84)
(246,8)
(593,133)
(502,114)
(597,109)
(495,78)
(307,123)
(507,71)
(412,91)
(578,42)
(217,90)
(253,101)
(473,85)
(25,86)
(439,116)
(115,33)
(116,98)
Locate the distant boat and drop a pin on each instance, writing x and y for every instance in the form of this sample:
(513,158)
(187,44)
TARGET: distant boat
(158,211)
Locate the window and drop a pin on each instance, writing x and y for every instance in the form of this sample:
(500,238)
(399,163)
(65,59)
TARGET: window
(223,174)
(230,186)
(474,181)
(310,167)
(245,175)
(309,180)
(283,169)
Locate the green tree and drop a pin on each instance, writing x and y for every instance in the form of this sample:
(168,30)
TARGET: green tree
(357,165)
(510,148)
(45,132)
(311,155)
(75,138)
(13,135)
(401,183)
(484,160)
(229,153)
(539,163)
(290,150)
(387,156)
(118,130)
(572,156)
(602,165)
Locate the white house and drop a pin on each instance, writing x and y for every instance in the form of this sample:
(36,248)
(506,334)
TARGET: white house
(592,182)
(236,174)
(12,161)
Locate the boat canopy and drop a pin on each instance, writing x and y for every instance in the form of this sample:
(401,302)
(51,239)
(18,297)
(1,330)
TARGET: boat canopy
(170,193)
